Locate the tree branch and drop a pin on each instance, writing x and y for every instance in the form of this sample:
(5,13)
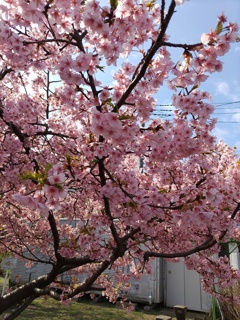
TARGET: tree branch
(205,245)
(55,234)
(22,307)
(3,73)
(101,168)
(28,290)
(190,47)
(89,281)
(149,56)
(210,242)
(39,42)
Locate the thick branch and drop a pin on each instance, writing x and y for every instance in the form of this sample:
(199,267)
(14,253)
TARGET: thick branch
(149,56)
(90,281)
(79,38)
(210,242)
(163,10)
(22,307)
(101,168)
(28,290)
(21,293)
(55,234)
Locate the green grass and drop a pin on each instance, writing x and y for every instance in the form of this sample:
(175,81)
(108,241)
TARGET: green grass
(1,281)
(47,308)
(43,309)
(86,309)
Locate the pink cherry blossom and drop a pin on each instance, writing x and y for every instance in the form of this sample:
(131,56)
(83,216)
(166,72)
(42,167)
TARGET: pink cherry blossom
(31,203)
(54,192)
(27,201)
(91,178)
(57,178)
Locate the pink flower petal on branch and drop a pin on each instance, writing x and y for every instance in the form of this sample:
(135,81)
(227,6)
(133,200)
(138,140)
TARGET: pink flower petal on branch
(26,201)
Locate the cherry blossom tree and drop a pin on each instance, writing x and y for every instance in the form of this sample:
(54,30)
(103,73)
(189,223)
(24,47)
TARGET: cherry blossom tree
(79,147)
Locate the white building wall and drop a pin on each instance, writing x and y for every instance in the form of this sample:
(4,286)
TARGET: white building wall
(183,287)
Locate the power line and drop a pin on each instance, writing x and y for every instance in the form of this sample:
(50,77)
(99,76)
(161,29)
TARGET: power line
(231,108)
(226,112)
(225,103)
(215,113)
(228,121)
(217,104)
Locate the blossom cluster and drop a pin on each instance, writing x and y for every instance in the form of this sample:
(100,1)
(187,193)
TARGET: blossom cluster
(48,196)
(79,143)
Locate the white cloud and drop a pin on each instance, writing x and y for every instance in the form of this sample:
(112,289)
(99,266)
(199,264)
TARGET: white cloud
(223,88)
(221,133)
(236,117)
(231,91)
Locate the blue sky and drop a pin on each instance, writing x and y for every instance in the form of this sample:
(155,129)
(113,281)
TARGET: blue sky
(189,22)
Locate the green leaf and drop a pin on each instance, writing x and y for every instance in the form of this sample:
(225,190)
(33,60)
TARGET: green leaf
(219,27)
(126,117)
(114,4)
(162,191)
(48,167)
(131,204)
(27,175)
(58,186)
(86,230)
(39,176)
(68,158)
(109,102)
(150,4)
(194,87)
(101,68)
